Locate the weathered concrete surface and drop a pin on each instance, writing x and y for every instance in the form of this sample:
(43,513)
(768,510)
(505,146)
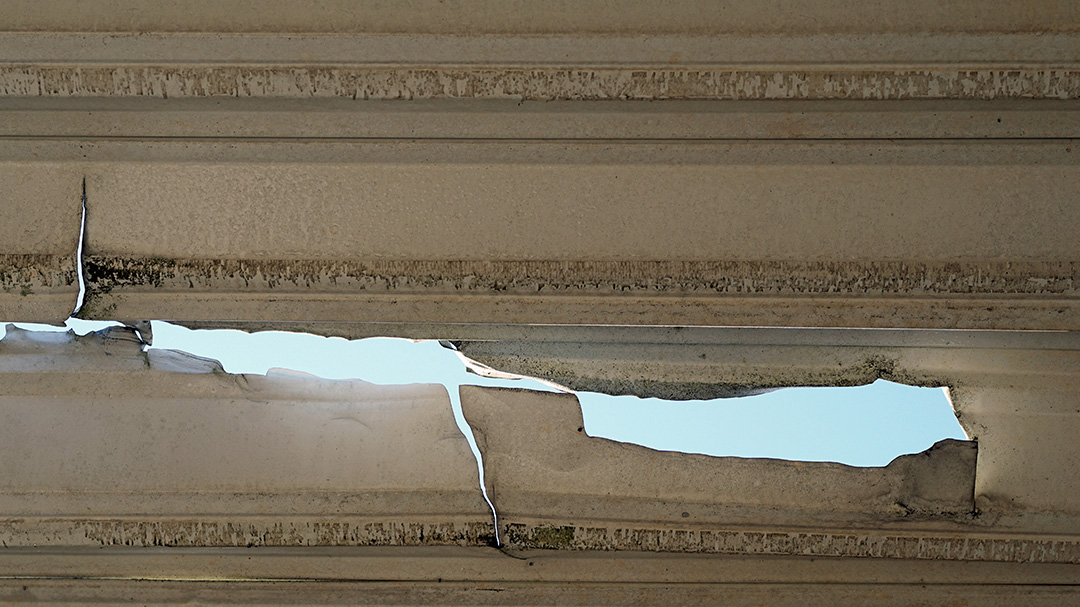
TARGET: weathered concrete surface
(510,227)
(551,84)
(274,592)
(1027,448)
(534,17)
(1015,393)
(320,198)
(282,191)
(486,212)
(490,565)
(754,201)
(893,65)
(470,576)
(320,201)
(541,466)
(106,444)
(96,118)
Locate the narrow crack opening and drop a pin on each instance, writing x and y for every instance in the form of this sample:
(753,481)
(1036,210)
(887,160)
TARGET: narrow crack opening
(79,269)
(463,425)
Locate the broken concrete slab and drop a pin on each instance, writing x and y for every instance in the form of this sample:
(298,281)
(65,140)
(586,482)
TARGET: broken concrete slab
(108,444)
(1013,392)
(544,473)
(999,251)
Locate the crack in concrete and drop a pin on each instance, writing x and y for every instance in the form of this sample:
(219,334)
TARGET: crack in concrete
(466,429)
(79,270)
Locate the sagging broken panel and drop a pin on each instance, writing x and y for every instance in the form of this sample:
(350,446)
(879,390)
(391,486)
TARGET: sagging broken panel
(104,443)
(542,470)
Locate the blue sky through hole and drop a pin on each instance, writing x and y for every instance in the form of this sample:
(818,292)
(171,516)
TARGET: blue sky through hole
(860,426)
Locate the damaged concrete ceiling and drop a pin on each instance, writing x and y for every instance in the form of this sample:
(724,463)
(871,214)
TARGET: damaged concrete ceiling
(592,192)
(122,460)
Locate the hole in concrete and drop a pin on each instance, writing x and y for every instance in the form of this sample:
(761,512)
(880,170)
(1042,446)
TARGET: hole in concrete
(377,360)
(859,426)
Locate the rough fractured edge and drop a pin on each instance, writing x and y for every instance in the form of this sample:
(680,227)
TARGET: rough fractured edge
(80,249)
(578,83)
